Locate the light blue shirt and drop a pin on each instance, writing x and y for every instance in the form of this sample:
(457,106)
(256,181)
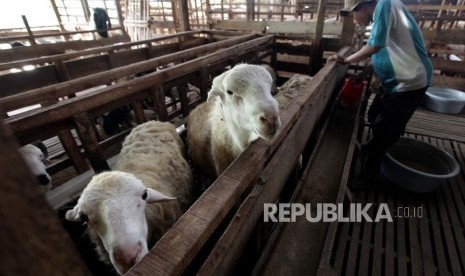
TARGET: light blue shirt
(402,63)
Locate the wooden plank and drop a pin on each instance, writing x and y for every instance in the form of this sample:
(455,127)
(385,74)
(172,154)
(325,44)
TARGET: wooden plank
(378,235)
(19,53)
(158,95)
(71,189)
(401,242)
(448,229)
(31,232)
(434,7)
(355,241)
(72,86)
(454,36)
(61,57)
(89,66)
(10,84)
(449,82)
(347,32)
(218,200)
(291,27)
(416,260)
(459,183)
(316,56)
(364,261)
(436,237)
(225,255)
(250,26)
(389,253)
(448,65)
(65,109)
(72,150)
(90,142)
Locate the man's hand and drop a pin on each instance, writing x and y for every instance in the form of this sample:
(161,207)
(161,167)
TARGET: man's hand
(338,58)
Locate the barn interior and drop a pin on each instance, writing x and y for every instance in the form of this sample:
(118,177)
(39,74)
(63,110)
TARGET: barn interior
(62,76)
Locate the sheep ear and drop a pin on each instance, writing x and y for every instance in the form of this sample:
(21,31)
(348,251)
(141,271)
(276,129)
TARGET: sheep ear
(41,146)
(216,86)
(154,196)
(73,215)
(213,93)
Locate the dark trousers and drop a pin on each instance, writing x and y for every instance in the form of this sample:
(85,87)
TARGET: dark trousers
(388,116)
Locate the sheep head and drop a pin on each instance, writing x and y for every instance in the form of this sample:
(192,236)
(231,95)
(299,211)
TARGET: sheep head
(113,206)
(245,94)
(35,155)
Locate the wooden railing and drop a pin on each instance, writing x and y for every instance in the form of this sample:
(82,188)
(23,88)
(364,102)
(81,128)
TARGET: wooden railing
(79,112)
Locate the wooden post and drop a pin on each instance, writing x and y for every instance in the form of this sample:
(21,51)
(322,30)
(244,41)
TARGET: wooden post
(86,10)
(120,17)
(181,15)
(72,150)
(158,95)
(33,239)
(203,84)
(208,11)
(57,14)
(90,142)
(316,56)
(31,35)
(139,114)
(347,34)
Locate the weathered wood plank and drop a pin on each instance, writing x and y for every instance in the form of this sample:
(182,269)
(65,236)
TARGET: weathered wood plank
(225,255)
(72,86)
(33,238)
(30,52)
(243,172)
(88,51)
(65,109)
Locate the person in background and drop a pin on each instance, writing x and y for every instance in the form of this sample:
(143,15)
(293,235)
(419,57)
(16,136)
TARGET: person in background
(102,21)
(400,61)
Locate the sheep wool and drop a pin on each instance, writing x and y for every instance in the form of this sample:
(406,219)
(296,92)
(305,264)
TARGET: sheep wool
(239,110)
(127,210)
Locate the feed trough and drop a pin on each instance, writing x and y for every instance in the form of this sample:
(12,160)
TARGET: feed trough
(418,166)
(445,100)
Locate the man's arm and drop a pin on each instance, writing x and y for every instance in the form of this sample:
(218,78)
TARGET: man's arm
(361,54)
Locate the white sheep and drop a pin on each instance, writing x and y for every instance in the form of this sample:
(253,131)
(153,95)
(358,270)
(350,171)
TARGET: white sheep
(35,154)
(239,110)
(115,205)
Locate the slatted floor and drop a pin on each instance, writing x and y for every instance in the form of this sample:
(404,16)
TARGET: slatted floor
(433,244)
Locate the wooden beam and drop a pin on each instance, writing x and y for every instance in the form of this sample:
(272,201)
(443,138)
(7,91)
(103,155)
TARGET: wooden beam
(63,89)
(33,239)
(449,82)
(172,254)
(434,7)
(181,15)
(307,108)
(448,36)
(347,34)
(66,109)
(448,65)
(25,60)
(316,58)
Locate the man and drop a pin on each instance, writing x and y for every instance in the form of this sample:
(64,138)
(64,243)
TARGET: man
(400,61)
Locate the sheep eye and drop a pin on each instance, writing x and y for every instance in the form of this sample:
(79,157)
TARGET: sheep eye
(83,217)
(229,92)
(144,196)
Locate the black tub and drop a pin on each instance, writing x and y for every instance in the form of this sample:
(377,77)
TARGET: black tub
(418,166)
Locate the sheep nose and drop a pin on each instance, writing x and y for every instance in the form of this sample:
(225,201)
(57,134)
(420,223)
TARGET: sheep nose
(271,122)
(43,179)
(127,256)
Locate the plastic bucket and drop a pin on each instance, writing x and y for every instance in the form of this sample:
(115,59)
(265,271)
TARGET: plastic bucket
(351,91)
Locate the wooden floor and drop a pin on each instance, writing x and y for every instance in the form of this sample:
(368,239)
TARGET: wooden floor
(433,244)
